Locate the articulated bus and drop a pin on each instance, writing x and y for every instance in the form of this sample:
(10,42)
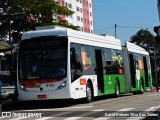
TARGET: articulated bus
(68,64)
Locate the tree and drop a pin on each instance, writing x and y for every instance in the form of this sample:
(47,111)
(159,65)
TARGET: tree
(24,15)
(145,39)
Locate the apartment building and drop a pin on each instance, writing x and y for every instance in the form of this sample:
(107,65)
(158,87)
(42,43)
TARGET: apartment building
(83,16)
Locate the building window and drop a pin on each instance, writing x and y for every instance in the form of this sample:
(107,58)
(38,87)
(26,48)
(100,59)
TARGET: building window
(62,3)
(91,31)
(70,5)
(86,3)
(82,28)
(78,9)
(90,22)
(90,5)
(81,19)
(66,4)
(90,13)
(85,29)
(83,2)
(87,13)
(81,10)
(88,31)
(84,11)
(78,18)
(80,1)
(85,21)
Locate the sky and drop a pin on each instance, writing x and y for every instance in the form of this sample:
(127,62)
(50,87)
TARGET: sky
(129,15)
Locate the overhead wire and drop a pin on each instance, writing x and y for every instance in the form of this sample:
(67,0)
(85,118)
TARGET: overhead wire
(135,26)
(104,29)
(127,27)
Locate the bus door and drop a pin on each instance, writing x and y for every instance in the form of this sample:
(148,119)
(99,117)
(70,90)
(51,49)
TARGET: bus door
(145,71)
(99,70)
(132,70)
(126,68)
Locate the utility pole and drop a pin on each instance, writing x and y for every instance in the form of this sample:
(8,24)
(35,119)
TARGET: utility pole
(158,6)
(155,65)
(115,30)
(156,40)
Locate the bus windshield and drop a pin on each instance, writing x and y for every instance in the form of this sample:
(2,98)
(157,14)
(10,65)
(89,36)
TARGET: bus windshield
(43,58)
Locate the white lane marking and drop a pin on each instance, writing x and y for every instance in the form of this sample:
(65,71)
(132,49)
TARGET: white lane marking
(99,110)
(75,107)
(60,114)
(55,109)
(84,114)
(83,107)
(134,118)
(154,108)
(108,117)
(18,118)
(44,118)
(154,94)
(126,109)
(72,118)
(4,117)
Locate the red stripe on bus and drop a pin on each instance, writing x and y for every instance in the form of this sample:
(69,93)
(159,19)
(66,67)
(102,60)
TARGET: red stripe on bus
(29,85)
(42,81)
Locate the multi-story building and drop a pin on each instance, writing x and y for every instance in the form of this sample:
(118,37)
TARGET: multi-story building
(83,15)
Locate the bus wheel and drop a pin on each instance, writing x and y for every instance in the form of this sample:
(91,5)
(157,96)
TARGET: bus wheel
(89,94)
(117,92)
(142,88)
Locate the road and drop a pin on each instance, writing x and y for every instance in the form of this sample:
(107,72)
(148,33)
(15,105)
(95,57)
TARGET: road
(126,107)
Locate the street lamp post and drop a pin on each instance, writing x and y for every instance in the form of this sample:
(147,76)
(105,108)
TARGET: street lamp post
(155,64)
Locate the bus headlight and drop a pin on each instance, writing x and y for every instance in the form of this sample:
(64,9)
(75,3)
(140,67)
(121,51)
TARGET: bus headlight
(62,85)
(22,87)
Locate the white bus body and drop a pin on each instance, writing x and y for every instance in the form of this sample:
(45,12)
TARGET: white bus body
(61,89)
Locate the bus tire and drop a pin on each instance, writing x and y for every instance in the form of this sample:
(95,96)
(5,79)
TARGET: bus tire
(89,93)
(117,89)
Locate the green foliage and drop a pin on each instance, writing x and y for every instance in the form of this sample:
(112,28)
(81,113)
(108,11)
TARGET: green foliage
(146,40)
(25,15)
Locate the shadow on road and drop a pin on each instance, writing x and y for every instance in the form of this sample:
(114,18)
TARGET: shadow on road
(29,105)
(9,105)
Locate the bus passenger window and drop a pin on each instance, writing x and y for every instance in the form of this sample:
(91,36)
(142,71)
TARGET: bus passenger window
(75,63)
(76,66)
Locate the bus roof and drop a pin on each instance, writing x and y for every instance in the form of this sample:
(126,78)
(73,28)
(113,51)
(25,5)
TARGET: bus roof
(79,37)
(136,49)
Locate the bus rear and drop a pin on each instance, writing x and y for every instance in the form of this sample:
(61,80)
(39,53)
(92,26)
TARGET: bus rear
(42,68)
